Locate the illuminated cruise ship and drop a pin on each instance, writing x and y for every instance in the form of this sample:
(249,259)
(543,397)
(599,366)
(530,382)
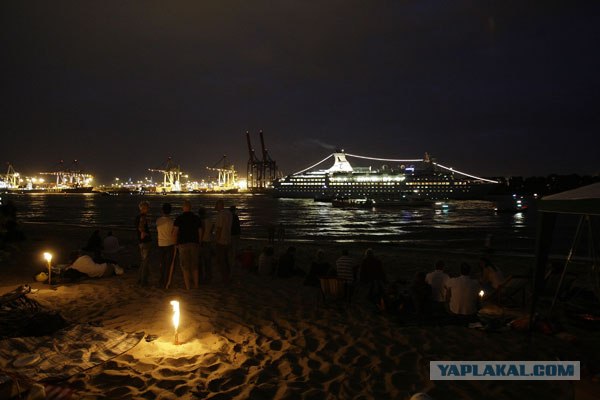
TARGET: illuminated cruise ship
(393,181)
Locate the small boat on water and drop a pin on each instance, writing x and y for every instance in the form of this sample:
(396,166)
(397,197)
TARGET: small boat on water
(404,202)
(344,202)
(516,204)
(443,206)
(323,198)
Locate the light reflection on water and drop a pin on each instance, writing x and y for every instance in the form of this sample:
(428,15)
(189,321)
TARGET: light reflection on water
(303,219)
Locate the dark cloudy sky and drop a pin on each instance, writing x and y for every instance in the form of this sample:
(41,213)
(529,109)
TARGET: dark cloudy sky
(491,87)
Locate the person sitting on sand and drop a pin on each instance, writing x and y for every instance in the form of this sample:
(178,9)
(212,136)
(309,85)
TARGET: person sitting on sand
(463,292)
(437,279)
(372,274)
(110,245)
(392,301)
(83,266)
(420,293)
(491,276)
(287,263)
(266,261)
(94,246)
(247,259)
(320,267)
(346,267)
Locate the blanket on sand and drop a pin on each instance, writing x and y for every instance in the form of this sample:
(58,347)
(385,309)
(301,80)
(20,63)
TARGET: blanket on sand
(64,354)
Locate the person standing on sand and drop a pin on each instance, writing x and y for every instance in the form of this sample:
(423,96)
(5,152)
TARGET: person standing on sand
(271,234)
(236,231)
(166,242)
(281,233)
(223,240)
(144,242)
(187,228)
(206,249)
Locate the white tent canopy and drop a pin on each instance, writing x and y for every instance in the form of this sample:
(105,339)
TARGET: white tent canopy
(583,201)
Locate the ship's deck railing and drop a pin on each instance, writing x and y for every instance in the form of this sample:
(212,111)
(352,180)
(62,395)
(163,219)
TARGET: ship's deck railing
(454,171)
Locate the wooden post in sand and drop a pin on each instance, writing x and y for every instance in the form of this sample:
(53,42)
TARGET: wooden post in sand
(171,268)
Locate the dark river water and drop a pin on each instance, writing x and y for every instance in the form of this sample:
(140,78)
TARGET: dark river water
(466,224)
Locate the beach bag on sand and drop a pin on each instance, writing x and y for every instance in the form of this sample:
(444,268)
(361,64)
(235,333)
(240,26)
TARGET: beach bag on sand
(22,316)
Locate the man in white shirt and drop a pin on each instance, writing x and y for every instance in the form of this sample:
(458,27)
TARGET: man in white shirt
(166,242)
(463,292)
(223,239)
(437,279)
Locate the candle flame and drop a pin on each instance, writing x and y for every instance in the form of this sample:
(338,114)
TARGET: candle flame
(47,256)
(175,305)
(481,293)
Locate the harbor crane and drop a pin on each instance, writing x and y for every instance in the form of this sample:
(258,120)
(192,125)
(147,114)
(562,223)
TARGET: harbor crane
(171,177)
(227,178)
(12,177)
(72,176)
(260,172)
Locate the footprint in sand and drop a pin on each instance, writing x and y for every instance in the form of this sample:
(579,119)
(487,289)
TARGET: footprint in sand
(276,345)
(170,384)
(119,393)
(113,379)
(231,379)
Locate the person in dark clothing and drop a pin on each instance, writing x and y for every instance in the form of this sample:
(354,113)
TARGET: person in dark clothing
(94,246)
(287,263)
(236,228)
(373,275)
(188,230)
(421,295)
(9,230)
(144,242)
(236,231)
(320,267)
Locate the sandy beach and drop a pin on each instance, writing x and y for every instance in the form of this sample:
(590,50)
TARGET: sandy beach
(266,338)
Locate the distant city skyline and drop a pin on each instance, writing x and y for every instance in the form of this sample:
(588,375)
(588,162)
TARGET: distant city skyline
(495,88)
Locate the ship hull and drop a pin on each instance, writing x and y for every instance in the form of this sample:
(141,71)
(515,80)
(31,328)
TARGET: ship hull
(381,189)
(79,189)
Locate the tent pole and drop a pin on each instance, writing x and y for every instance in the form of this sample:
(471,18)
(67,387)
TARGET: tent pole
(568,261)
(545,228)
(594,258)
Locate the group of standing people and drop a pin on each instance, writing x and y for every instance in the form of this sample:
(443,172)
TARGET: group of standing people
(191,238)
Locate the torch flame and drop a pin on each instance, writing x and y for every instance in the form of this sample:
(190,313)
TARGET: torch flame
(48,257)
(175,305)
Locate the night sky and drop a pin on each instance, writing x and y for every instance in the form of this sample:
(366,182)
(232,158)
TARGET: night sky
(495,88)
